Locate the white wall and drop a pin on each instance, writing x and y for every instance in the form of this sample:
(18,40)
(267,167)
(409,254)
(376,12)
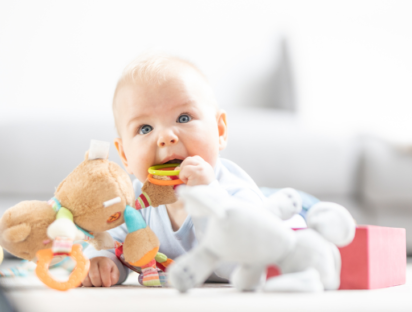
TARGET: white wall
(355,66)
(351,59)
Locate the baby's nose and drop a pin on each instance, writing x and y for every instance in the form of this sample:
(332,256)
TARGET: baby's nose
(166,140)
(164,143)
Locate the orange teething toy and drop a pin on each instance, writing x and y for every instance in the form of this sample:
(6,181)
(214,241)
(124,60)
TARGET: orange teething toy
(163,182)
(164,170)
(45,256)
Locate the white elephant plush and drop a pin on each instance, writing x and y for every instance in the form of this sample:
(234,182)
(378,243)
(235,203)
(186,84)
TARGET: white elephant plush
(256,237)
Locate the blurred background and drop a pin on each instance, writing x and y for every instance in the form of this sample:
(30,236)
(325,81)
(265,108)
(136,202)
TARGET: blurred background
(318,93)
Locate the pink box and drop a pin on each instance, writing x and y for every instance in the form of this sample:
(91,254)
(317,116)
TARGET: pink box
(376,258)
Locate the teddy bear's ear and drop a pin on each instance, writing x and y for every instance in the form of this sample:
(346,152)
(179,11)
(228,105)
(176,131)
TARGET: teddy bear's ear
(17,233)
(60,186)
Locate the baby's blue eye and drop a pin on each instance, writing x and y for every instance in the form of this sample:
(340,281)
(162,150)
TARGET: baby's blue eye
(184,118)
(145,129)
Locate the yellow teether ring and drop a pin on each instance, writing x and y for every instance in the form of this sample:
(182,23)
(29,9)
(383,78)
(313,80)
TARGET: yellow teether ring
(154,170)
(45,256)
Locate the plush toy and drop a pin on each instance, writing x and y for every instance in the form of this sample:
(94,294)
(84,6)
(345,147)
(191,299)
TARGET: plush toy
(255,238)
(97,196)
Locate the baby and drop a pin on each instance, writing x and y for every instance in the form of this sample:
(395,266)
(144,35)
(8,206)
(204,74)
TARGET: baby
(165,112)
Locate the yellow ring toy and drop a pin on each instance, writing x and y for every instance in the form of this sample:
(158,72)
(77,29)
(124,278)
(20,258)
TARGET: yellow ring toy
(153,170)
(45,256)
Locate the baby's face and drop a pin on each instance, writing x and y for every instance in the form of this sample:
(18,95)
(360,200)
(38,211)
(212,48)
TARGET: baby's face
(161,123)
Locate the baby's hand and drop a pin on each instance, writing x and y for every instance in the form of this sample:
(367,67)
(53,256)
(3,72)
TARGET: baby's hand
(195,171)
(103,272)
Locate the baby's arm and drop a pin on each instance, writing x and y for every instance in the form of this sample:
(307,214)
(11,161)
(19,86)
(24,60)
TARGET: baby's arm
(105,269)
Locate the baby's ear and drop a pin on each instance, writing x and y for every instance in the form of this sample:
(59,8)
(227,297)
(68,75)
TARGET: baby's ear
(17,233)
(222,128)
(200,201)
(120,150)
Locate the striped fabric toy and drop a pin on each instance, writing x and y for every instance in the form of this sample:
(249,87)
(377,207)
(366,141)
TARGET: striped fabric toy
(62,246)
(22,270)
(152,274)
(27,268)
(143,201)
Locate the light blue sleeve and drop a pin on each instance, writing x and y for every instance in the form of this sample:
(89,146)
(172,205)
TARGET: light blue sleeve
(237,182)
(248,195)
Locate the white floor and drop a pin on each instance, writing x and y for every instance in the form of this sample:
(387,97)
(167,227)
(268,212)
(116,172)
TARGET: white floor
(29,294)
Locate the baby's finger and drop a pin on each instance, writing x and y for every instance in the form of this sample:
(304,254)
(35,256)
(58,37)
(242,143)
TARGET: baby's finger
(188,173)
(86,282)
(94,275)
(104,269)
(191,161)
(184,173)
(114,275)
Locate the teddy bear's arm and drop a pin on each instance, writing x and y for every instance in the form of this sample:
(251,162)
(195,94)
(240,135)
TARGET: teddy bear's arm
(102,240)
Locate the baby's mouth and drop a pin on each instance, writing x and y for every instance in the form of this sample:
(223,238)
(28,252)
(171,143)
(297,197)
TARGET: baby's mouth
(174,161)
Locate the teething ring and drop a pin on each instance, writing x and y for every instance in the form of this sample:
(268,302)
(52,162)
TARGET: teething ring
(153,170)
(45,256)
(163,182)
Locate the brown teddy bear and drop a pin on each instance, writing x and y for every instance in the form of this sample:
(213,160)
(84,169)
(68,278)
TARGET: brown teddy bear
(97,196)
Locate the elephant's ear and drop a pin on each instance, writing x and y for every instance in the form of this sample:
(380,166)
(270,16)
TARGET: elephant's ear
(17,233)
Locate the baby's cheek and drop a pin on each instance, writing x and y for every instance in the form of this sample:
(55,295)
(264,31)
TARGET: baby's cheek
(209,153)
(139,172)
(143,173)
(203,145)
(139,163)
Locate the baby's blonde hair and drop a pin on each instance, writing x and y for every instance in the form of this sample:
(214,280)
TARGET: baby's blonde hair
(151,68)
